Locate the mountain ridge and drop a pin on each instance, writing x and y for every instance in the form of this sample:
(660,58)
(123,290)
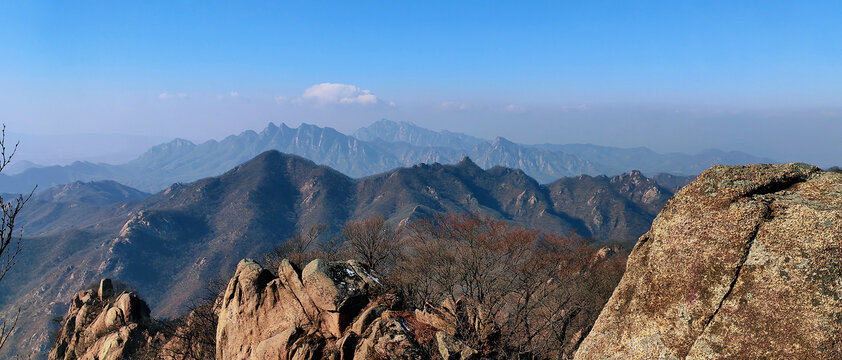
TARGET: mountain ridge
(391,131)
(184,161)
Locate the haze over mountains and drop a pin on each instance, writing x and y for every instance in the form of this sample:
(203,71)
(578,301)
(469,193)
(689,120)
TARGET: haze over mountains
(45,150)
(170,243)
(383,146)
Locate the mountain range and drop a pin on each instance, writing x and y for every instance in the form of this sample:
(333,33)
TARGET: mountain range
(168,244)
(380,147)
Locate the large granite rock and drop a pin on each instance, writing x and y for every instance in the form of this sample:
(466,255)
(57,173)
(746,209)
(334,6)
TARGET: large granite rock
(743,263)
(328,310)
(102,326)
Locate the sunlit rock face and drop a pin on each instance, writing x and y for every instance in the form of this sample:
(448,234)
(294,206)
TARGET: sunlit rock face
(101,324)
(326,310)
(745,262)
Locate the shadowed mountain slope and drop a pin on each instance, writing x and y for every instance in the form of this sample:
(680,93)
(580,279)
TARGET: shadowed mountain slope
(71,205)
(611,208)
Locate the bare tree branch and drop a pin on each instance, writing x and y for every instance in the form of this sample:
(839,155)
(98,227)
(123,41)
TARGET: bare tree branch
(10,240)
(6,329)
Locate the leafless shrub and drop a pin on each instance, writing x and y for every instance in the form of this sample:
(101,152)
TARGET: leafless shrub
(192,337)
(504,290)
(374,242)
(300,248)
(511,292)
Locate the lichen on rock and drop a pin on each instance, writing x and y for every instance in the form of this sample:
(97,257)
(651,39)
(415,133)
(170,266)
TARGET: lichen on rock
(745,262)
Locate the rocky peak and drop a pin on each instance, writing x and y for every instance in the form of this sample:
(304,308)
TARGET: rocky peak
(330,309)
(298,312)
(744,262)
(101,324)
(178,143)
(467,164)
(500,142)
(271,129)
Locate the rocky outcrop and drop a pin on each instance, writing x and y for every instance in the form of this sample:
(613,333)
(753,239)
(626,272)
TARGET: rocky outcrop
(328,310)
(102,325)
(743,263)
(452,349)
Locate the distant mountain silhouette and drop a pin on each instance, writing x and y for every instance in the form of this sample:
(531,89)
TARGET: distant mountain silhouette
(19,166)
(391,131)
(94,193)
(548,162)
(64,207)
(640,158)
(168,244)
(383,146)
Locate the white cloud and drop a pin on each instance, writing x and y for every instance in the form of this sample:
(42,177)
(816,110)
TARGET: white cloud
(232,94)
(513,108)
(167,96)
(280,99)
(452,105)
(580,107)
(329,93)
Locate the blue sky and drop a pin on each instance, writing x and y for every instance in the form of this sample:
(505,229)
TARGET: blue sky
(763,77)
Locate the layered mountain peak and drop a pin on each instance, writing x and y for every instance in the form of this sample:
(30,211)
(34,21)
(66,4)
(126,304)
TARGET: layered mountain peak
(178,143)
(634,177)
(501,142)
(467,164)
(94,192)
(275,158)
(271,127)
(407,132)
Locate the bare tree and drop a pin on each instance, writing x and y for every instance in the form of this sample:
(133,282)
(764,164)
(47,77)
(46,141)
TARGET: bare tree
(507,291)
(372,241)
(192,337)
(10,239)
(300,248)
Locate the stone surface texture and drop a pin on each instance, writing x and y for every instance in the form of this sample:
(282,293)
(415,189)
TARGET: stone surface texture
(329,310)
(743,263)
(102,326)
